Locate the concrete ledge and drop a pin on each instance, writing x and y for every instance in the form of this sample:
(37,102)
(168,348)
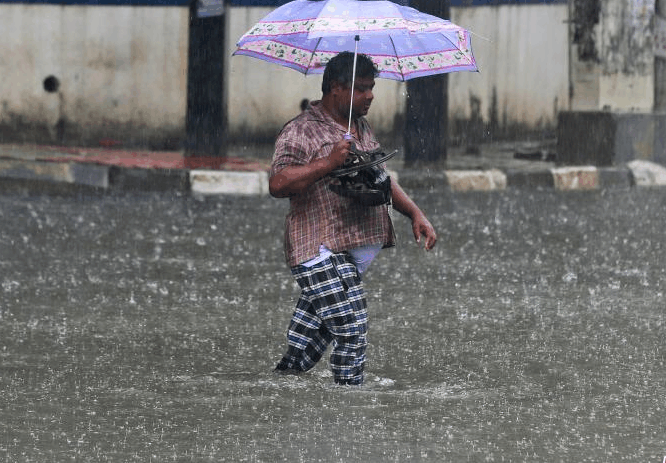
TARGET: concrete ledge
(137,179)
(426,179)
(90,175)
(476,180)
(615,177)
(35,170)
(207,182)
(41,176)
(647,174)
(610,138)
(576,178)
(530,179)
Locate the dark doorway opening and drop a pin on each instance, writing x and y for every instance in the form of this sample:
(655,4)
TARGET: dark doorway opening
(206,105)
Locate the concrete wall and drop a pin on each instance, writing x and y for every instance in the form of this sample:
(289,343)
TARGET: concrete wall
(626,54)
(612,57)
(615,83)
(610,138)
(522,52)
(122,74)
(660,56)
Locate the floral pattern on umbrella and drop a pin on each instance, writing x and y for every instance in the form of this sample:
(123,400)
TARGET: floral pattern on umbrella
(343,26)
(403,42)
(307,61)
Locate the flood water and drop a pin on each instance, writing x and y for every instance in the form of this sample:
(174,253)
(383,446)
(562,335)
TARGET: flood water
(144,328)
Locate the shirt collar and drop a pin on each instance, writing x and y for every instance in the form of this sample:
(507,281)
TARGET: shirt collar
(316,111)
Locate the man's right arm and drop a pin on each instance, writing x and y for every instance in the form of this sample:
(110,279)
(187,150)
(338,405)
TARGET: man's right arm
(295,179)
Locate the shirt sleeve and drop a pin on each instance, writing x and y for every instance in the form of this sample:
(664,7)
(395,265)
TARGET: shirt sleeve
(291,148)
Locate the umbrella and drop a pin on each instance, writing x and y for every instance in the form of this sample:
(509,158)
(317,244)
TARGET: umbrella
(402,42)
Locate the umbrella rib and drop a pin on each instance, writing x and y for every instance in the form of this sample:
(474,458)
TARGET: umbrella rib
(395,52)
(314,50)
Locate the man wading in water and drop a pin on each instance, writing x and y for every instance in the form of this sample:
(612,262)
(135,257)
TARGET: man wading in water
(338,219)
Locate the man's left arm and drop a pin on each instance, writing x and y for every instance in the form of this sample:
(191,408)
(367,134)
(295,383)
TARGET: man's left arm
(421,226)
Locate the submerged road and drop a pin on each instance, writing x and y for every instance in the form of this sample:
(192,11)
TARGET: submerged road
(143,327)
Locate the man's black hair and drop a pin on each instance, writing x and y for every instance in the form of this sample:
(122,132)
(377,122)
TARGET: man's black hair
(340,69)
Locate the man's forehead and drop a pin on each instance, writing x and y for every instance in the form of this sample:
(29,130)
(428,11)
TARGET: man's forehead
(359,81)
(365,81)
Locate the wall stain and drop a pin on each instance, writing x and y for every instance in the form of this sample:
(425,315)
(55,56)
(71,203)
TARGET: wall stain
(585,18)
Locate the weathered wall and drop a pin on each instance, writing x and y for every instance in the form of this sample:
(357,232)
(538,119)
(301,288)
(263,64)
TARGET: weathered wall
(612,57)
(660,56)
(626,55)
(522,51)
(613,77)
(122,74)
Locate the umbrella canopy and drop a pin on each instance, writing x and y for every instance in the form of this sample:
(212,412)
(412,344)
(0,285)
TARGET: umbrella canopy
(402,42)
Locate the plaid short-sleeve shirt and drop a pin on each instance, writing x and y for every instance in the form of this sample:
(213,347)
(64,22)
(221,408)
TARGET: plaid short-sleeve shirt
(318,215)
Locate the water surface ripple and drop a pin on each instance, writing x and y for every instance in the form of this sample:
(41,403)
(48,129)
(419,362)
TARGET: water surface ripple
(144,328)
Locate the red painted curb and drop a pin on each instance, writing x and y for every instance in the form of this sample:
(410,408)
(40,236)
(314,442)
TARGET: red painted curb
(144,159)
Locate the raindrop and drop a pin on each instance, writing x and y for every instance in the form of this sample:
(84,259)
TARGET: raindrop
(570,277)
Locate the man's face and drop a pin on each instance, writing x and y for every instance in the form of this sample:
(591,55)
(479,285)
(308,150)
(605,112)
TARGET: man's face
(362,96)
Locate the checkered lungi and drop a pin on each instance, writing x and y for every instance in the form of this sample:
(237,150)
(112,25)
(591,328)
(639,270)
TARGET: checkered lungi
(331,309)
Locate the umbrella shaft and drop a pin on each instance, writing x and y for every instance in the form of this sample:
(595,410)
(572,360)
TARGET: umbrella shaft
(351,103)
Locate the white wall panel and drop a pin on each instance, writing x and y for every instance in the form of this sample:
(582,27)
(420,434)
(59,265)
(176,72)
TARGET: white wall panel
(522,52)
(120,68)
